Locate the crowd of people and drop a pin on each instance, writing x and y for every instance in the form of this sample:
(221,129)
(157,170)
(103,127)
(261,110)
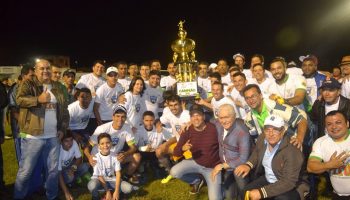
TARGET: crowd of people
(250,133)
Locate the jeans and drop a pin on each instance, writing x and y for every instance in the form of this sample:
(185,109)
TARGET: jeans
(95,185)
(185,167)
(230,182)
(16,138)
(31,150)
(83,168)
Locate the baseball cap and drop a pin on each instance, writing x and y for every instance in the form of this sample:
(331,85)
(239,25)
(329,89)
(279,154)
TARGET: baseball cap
(111,69)
(331,83)
(275,121)
(68,71)
(309,57)
(213,66)
(119,108)
(238,55)
(195,108)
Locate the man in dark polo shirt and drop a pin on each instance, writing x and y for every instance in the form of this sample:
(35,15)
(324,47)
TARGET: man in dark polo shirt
(202,140)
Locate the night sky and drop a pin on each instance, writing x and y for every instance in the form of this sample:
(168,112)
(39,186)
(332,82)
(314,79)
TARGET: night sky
(136,31)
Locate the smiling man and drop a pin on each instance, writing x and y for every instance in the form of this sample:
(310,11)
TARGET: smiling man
(277,160)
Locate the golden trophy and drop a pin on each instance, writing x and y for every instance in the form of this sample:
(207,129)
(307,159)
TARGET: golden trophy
(184,59)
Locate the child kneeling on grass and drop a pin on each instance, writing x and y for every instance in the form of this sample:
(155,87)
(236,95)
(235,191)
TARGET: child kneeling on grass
(70,166)
(107,174)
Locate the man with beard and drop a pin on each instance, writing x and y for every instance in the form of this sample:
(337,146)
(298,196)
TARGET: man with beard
(287,88)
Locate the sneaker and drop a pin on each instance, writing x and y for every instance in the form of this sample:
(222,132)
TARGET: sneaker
(134,179)
(197,187)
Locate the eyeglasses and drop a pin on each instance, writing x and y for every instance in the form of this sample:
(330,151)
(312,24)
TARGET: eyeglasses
(274,131)
(254,96)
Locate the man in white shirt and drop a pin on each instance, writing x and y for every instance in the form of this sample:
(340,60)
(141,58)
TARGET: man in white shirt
(222,68)
(167,82)
(122,78)
(153,95)
(144,71)
(239,60)
(203,79)
(287,88)
(107,97)
(93,80)
(260,79)
(80,112)
(121,133)
(330,153)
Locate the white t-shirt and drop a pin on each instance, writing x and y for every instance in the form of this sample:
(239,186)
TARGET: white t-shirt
(329,108)
(167,82)
(249,74)
(153,97)
(264,86)
(226,79)
(125,82)
(135,108)
(144,137)
(216,104)
(90,81)
(119,137)
(107,97)
(168,118)
(66,157)
(241,112)
(106,166)
(79,117)
(204,83)
(287,89)
(311,90)
(295,71)
(322,149)
(345,89)
(50,120)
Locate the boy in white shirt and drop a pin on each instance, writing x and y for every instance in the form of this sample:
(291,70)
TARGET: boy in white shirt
(107,172)
(70,164)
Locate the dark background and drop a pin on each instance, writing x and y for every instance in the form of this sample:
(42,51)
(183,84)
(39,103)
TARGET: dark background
(136,31)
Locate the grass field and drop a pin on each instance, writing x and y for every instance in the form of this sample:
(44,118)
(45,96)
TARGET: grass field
(153,190)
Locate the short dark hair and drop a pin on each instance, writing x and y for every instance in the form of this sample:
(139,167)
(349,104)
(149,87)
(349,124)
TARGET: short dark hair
(218,83)
(261,57)
(120,63)
(102,62)
(154,72)
(250,86)
(84,89)
(239,74)
(26,69)
(258,64)
(203,63)
(68,134)
(174,97)
(281,60)
(215,75)
(103,135)
(167,94)
(148,113)
(334,112)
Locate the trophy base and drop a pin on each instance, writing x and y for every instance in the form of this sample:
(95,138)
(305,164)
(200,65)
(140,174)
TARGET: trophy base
(187,89)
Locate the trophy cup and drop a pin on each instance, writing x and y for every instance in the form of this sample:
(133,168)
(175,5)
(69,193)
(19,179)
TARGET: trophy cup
(184,59)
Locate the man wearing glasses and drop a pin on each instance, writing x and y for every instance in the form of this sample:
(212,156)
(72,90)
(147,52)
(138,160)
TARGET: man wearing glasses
(276,162)
(261,109)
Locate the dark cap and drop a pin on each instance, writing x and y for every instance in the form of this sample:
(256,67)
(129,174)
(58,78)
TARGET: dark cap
(119,108)
(195,108)
(331,83)
(68,71)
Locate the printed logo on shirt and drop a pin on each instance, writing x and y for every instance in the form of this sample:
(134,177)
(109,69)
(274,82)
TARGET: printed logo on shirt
(177,127)
(115,141)
(138,107)
(85,119)
(114,99)
(66,163)
(153,99)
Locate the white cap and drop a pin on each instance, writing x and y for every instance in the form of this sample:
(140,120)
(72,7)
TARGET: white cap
(238,55)
(213,66)
(111,69)
(275,121)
